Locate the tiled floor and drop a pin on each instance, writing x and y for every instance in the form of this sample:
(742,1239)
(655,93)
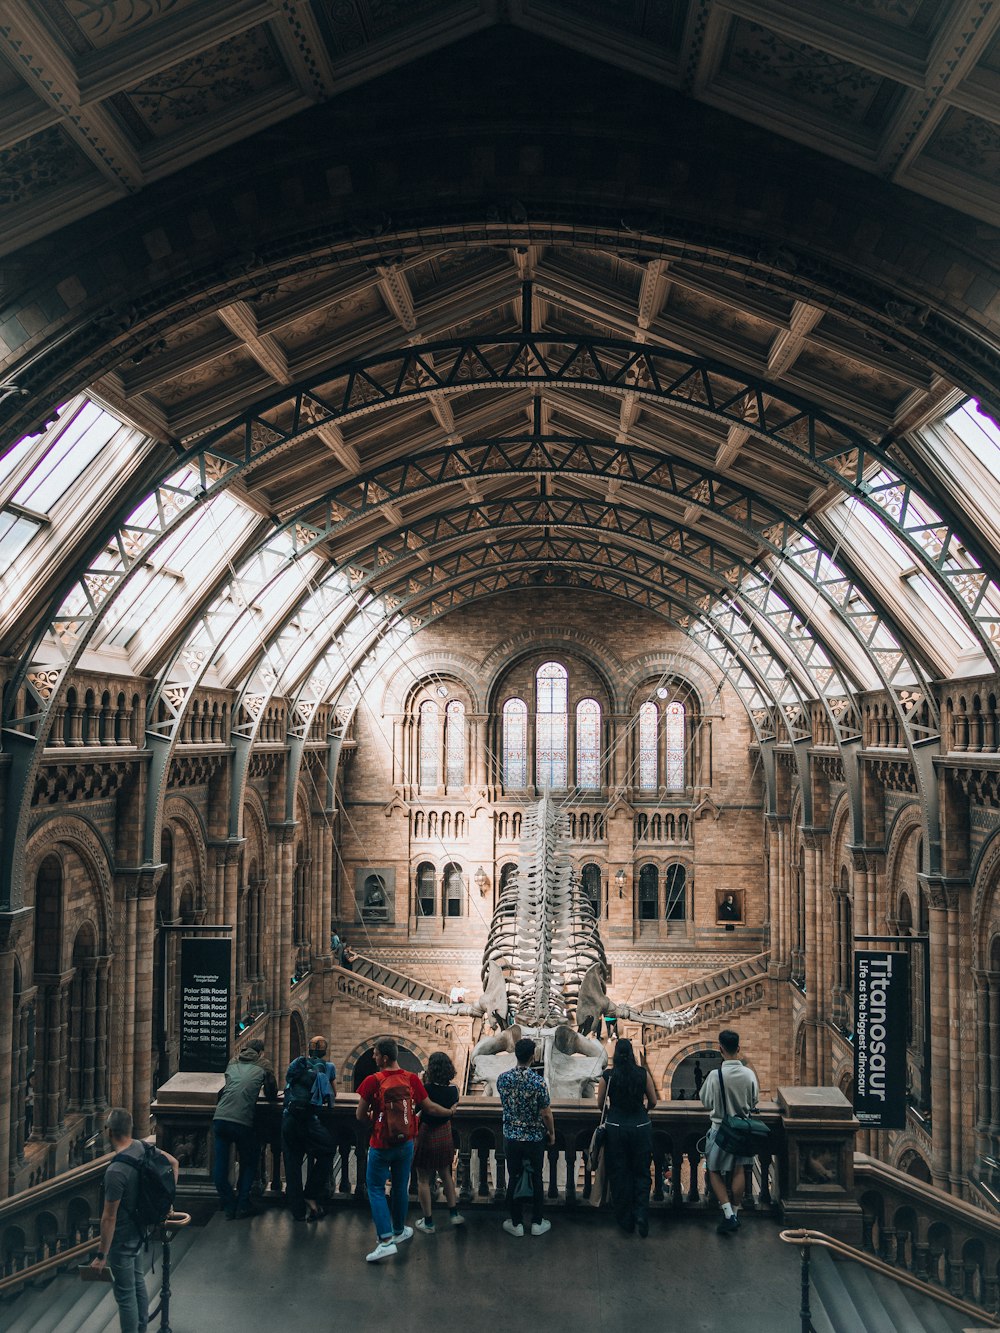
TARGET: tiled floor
(584,1276)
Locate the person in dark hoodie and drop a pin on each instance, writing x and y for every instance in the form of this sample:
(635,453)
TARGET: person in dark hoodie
(246,1076)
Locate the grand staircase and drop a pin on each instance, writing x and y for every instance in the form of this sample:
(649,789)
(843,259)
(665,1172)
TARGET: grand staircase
(64,1304)
(848,1298)
(407,987)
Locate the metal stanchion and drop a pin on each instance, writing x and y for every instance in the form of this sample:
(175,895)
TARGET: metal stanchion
(173,1223)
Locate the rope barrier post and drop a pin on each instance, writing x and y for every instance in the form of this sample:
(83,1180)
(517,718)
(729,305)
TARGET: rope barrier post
(805,1315)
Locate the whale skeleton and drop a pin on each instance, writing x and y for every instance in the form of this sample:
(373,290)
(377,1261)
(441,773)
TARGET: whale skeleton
(544,964)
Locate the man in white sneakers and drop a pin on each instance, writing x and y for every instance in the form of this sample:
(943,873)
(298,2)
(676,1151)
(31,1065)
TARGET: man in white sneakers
(733,1091)
(527,1128)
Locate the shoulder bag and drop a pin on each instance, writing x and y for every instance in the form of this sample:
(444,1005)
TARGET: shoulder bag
(741,1135)
(600,1134)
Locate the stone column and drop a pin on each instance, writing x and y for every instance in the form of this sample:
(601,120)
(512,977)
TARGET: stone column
(142,1029)
(12,927)
(955,1050)
(101,1034)
(88,1034)
(940,1017)
(811,894)
(993,1060)
(125,1021)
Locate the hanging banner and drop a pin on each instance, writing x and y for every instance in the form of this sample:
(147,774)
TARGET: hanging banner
(205,1018)
(881,1010)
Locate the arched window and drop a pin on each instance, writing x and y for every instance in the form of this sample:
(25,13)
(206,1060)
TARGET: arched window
(673,720)
(454,744)
(649,885)
(647,747)
(425,889)
(590,883)
(507,872)
(674,893)
(551,734)
(454,889)
(515,743)
(430,744)
(588,744)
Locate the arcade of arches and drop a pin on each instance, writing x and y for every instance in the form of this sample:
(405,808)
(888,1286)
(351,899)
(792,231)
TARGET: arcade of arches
(410,409)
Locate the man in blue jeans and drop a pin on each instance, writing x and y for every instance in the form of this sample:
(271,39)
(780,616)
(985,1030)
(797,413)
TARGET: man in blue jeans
(388,1158)
(233,1126)
(121,1238)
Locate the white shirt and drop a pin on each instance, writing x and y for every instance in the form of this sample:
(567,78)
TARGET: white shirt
(741,1090)
(457,995)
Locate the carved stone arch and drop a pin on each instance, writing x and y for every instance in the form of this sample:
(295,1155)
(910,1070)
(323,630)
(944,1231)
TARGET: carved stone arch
(905,1151)
(181,811)
(578,643)
(409,676)
(702,1047)
(907,825)
(843,1073)
(345,1073)
(255,826)
(840,828)
(303,810)
(678,665)
(986,901)
(92,849)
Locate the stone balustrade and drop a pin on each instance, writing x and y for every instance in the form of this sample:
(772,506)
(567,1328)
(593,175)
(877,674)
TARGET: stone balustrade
(935,1236)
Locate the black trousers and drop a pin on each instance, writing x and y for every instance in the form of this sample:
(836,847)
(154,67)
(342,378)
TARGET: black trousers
(630,1150)
(301,1138)
(517,1153)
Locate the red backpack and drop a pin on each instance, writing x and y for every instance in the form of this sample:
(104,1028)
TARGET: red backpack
(397,1117)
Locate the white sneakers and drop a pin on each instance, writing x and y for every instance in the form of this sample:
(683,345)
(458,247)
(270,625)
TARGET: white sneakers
(385,1249)
(537,1228)
(458,1220)
(428,1228)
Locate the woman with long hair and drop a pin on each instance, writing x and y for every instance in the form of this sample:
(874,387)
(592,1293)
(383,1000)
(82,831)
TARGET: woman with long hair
(435,1151)
(631,1094)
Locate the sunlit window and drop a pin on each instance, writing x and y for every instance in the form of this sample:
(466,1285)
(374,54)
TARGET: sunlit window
(979,432)
(454,740)
(674,893)
(673,726)
(551,731)
(648,720)
(430,744)
(588,744)
(515,743)
(59,456)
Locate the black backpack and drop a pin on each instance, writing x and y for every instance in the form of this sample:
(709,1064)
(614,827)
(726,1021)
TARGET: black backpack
(156,1189)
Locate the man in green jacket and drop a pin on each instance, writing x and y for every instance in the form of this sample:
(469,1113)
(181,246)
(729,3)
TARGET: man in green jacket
(233,1124)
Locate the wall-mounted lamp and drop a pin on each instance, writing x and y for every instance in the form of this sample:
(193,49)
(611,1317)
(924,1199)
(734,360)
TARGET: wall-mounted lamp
(481,880)
(620,882)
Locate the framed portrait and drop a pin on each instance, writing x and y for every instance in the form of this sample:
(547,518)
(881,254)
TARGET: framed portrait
(729,906)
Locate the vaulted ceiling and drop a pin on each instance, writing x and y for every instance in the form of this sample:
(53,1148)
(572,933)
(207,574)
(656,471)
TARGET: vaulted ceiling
(443,410)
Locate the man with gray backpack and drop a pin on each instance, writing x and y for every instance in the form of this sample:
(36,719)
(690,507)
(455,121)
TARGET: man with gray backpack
(140,1185)
(727,1092)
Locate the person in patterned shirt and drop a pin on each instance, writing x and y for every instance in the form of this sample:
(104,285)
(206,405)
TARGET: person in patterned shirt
(527,1128)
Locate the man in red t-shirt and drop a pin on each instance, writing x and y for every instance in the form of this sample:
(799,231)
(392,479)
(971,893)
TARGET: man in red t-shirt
(385,1158)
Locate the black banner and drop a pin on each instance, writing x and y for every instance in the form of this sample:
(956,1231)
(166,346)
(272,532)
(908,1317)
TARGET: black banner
(881,1006)
(205,1018)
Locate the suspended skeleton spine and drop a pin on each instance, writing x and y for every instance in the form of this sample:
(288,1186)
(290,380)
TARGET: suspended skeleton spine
(544,933)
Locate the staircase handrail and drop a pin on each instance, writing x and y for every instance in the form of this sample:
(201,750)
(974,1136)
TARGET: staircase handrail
(348,981)
(677,997)
(429,992)
(930,1196)
(804,1238)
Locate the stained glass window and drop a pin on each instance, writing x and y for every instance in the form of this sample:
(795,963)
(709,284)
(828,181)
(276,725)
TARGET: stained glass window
(430,744)
(454,744)
(674,885)
(551,730)
(649,885)
(515,743)
(588,744)
(674,723)
(647,747)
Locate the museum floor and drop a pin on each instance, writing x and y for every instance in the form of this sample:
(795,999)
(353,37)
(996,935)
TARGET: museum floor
(583,1275)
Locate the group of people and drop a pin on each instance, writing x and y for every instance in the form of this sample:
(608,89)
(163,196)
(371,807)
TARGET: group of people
(409,1120)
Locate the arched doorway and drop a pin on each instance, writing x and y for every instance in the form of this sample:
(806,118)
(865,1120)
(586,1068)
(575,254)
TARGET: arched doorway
(691,1072)
(365,1064)
(296,1036)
